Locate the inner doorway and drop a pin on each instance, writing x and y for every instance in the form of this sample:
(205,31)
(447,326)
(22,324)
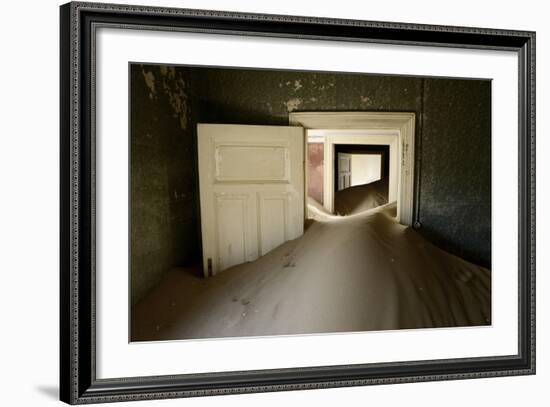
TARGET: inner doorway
(395,129)
(344,149)
(362,174)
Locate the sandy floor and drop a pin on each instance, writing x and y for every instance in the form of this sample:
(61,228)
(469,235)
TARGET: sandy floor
(353,273)
(360,198)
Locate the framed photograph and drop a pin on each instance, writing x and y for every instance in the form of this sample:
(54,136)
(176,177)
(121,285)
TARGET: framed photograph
(254,203)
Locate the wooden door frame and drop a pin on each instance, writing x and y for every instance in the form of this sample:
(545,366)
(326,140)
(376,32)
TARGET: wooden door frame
(399,124)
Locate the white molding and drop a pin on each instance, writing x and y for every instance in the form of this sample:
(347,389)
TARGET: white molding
(378,126)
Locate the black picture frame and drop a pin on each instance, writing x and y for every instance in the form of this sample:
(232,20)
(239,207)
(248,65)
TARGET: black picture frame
(78,382)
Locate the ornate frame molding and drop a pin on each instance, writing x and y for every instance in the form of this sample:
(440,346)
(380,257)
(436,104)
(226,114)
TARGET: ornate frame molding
(78,382)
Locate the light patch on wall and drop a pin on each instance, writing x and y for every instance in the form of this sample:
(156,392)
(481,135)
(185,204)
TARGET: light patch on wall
(293,104)
(175,88)
(366,100)
(297,85)
(169,71)
(149,78)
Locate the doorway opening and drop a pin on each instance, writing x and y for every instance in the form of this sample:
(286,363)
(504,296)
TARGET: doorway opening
(327,130)
(362,174)
(253,179)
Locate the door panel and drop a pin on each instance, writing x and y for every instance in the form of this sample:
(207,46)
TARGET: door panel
(274,221)
(270,163)
(344,171)
(251,181)
(231,212)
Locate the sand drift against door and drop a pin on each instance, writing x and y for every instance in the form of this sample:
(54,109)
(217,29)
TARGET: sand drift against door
(271,202)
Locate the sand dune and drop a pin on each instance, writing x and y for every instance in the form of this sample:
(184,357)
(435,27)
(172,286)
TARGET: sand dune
(360,198)
(356,273)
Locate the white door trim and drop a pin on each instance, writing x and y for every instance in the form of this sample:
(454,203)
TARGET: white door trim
(399,124)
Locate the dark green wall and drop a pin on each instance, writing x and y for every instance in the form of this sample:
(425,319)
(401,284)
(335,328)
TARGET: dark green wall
(455,168)
(453,136)
(163,209)
(266,97)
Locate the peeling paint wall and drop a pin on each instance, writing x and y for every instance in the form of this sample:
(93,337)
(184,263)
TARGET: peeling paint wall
(266,97)
(453,136)
(163,206)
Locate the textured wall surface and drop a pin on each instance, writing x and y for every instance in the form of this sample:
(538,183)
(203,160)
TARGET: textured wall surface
(453,136)
(163,208)
(266,97)
(455,173)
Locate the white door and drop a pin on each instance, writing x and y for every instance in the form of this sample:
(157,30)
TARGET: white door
(344,171)
(251,181)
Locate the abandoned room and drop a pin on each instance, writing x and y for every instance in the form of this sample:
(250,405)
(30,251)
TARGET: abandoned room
(279,202)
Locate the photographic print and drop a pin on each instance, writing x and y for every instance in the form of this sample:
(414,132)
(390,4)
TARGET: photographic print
(255,202)
(278,202)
